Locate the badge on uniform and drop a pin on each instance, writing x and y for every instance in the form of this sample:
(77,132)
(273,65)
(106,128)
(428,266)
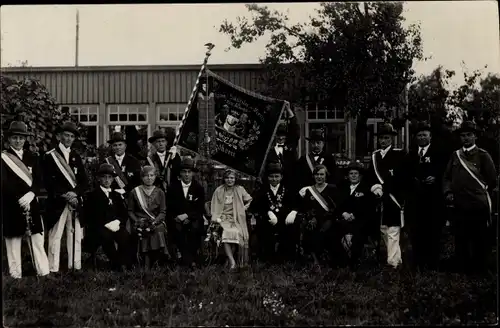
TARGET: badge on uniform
(358,194)
(75,169)
(391,171)
(130,174)
(190,197)
(427,159)
(123,168)
(321,161)
(30,169)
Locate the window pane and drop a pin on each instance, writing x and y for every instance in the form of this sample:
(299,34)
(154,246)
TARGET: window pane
(73,116)
(163,117)
(113,109)
(93,110)
(339,113)
(321,115)
(93,118)
(74,110)
(143,117)
(132,117)
(311,115)
(122,117)
(113,117)
(84,118)
(143,109)
(172,117)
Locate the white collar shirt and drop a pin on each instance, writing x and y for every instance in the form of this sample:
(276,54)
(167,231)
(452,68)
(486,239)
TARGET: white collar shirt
(353,187)
(279,149)
(384,152)
(65,152)
(119,159)
(274,189)
(469,149)
(162,157)
(185,188)
(19,153)
(107,191)
(424,148)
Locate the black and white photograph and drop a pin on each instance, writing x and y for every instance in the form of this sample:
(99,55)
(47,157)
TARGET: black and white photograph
(250,164)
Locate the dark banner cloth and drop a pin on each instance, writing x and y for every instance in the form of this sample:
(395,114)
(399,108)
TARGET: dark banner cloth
(245,123)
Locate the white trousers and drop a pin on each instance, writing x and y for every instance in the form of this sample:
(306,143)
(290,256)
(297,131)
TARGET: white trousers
(55,235)
(13,247)
(391,240)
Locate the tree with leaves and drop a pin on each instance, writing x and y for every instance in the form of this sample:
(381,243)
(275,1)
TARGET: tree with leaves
(356,57)
(29,101)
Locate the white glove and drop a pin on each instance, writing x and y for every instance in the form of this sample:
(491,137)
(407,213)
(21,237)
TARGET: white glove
(113,225)
(346,216)
(218,220)
(272,218)
(26,199)
(290,218)
(302,192)
(120,191)
(377,190)
(173,151)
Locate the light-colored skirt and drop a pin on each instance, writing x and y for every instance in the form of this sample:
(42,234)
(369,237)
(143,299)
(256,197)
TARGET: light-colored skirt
(231,231)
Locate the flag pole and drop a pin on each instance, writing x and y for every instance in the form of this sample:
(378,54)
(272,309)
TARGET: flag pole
(77,38)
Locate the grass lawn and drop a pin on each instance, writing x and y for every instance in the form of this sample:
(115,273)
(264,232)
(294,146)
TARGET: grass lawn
(262,296)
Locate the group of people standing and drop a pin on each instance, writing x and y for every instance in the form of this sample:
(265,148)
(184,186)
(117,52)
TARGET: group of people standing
(303,208)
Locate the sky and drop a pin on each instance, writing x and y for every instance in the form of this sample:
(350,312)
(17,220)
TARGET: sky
(174,34)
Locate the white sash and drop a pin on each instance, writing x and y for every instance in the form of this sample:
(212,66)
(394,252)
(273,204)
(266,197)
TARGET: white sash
(142,202)
(390,195)
(485,187)
(318,198)
(17,170)
(68,177)
(309,162)
(118,180)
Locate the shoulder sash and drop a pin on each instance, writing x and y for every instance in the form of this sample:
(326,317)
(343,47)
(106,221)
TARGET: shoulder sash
(142,202)
(474,176)
(319,198)
(309,162)
(64,167)
(18,167)
(120,178)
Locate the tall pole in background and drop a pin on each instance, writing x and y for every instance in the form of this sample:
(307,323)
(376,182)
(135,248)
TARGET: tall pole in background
(77,39)
(407,121)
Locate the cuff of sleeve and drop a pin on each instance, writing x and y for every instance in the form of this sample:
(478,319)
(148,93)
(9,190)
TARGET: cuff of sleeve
(376,187)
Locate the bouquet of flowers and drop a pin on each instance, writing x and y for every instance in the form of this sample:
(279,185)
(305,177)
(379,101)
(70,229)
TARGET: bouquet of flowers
(145,227)
(214,233)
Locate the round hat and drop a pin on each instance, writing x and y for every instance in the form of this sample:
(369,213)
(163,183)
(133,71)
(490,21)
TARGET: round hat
(355,165)
(386,129)
(187,163)
(316,135)
(282,130)
(116,137)
(18,128)
(158,134)
(468,126)
(274,167)
(422,126)
(106,168)
(70,127)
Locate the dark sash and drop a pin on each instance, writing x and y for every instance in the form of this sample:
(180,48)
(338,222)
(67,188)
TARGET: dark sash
(18,167)
(64,167)
(319,198)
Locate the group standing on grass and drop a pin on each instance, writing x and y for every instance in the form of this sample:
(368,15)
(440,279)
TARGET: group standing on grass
(303,210)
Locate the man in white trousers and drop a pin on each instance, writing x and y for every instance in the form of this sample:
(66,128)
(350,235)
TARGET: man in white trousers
(66,182)
(21,180)
(386,177)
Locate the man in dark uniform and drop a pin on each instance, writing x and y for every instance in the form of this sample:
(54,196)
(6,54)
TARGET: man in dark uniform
(385,177)
(127,167)
(285,147)
(425,209)
(66,182)
(165,175)
(275,207)
(468,181)
(185,209)
(317,156)
(106,216)
(21,182)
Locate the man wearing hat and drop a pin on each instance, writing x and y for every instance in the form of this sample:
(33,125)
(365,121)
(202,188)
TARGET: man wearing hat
(275,208)
(424,206)
(357,211)
(185,209)
(285,147)
(316,156)
(159,160)
(385,177)
(468,181)
(106,218)
(21,182)
(66,182)
(127,167)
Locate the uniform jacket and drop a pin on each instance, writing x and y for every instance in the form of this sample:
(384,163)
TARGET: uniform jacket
(173,166)
(193,205)
(13,188)
(281,204)
(131,168)
(416,170)
(289,156)
(360,203)
(331,195)
(57,185)
(390,169)
(466,191)
(306,178)
(101,210)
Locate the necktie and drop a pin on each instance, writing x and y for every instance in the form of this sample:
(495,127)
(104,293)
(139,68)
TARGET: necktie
(421,152)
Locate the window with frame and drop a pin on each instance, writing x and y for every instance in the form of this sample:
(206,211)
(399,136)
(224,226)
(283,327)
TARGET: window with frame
(87,115)
(320,111)
(128,113)
(170,112)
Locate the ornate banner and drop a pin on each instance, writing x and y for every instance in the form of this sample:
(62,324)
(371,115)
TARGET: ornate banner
(245,124)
